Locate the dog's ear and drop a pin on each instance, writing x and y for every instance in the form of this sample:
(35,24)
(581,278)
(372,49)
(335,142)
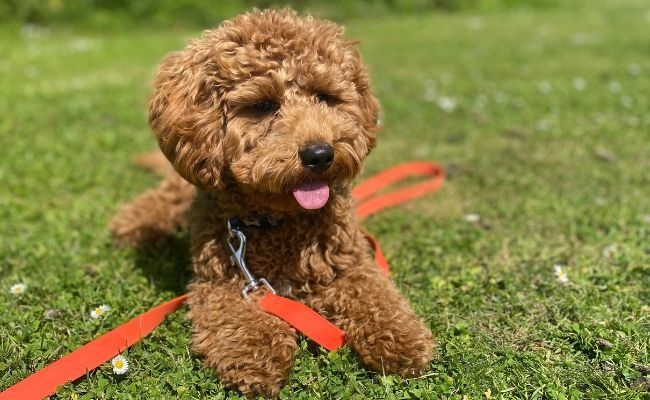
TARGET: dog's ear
(186,115)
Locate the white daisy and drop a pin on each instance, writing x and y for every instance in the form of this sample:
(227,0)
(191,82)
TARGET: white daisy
(447,104)
(81,45)
(542,125)
(615,87)
(99,311)
(609,251)
(120,364)
(582,39)
(560,274)
(18,289)
(544,87)
(474,24)
(472,218)
(430,94)
(634,69)
(632,121)
(500,97)
(627,102)
(579,84)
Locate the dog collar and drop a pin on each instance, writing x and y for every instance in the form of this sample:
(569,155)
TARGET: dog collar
(258,222)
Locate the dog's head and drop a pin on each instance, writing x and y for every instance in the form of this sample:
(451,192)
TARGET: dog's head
(275,105)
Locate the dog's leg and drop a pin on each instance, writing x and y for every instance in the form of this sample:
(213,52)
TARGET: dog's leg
(249,349)
(379,323)
(153,216)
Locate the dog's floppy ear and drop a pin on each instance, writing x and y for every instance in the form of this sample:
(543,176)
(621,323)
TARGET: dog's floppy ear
(186,115)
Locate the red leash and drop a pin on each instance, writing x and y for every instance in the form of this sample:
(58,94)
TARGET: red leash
(364,192)
(44,382)
(370,203)
(306,320)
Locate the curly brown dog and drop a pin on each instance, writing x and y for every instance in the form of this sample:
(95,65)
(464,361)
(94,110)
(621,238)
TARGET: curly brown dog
(270,117)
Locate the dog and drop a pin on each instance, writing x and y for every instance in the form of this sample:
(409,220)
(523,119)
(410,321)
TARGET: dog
(268,119)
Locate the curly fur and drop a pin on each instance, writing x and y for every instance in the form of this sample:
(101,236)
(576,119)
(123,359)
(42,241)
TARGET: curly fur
(244,163)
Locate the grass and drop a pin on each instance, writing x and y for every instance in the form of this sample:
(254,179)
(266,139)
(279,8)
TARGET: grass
(541,117)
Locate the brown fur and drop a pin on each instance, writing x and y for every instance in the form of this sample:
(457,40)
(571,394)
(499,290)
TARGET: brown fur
(244,163)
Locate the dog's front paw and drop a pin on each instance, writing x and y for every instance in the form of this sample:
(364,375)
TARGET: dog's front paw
(259,369)
(402,346)
(249,349)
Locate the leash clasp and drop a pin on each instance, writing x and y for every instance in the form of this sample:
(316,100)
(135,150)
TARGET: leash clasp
(236,241)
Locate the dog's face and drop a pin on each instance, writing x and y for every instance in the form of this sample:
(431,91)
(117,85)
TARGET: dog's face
(271,104)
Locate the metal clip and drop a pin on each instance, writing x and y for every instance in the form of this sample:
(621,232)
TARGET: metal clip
(236,241)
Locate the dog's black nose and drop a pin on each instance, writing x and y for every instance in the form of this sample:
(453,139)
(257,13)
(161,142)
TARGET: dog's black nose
(317,157)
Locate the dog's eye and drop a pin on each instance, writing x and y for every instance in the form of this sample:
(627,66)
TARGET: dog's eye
(323,98)
(266,106)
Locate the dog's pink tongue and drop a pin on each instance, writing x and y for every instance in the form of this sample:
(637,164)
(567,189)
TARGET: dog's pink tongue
(312,195)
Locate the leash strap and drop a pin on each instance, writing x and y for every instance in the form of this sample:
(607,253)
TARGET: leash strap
(380,259)
(370,204)
(306,320)
(44,382)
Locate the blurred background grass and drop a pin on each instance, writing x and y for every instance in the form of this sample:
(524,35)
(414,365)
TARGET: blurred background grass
(192,13)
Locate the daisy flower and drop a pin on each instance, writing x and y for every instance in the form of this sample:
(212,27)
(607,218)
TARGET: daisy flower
(544,87)
(579,84)
(542,125)
(472,218)
(609,251)
(447,104)
(18,289)
(634,69)
(615,87)
(99,311)
(627,102)
(474,24)
(120,365)
(632,121)
(561,274)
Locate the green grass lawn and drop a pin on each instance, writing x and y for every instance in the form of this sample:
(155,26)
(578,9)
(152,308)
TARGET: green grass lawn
(542,118)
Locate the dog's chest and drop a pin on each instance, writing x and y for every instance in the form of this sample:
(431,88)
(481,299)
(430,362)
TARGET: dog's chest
(293,261)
